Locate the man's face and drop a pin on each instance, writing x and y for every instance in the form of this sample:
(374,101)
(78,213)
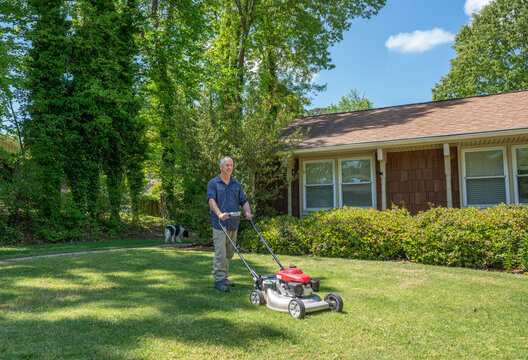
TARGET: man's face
(227,167)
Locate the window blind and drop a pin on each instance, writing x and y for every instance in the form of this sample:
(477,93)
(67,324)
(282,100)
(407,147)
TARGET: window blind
(485,178)
(521,155)
(319,185)
(356,183)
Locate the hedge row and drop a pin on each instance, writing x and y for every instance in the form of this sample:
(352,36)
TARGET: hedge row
(492,238)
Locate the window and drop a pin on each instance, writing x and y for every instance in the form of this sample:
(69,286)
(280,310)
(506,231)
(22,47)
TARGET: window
(485,177)
(319,190)
(356,182)
(520,173)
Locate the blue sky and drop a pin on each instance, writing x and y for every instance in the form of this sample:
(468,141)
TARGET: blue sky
(396,57)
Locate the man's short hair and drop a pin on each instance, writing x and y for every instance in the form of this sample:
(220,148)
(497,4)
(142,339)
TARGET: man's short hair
(226,157)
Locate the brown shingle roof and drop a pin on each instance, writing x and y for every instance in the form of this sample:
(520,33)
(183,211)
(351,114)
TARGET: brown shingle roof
(448,117)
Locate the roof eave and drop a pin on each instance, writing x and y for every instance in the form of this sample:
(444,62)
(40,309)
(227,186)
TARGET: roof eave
(445,138)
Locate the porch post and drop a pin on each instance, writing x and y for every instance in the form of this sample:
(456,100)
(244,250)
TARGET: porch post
(382,158)
(447,166)
(289,171)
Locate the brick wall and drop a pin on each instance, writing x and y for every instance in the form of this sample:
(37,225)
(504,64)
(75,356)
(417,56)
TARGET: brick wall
(416,179)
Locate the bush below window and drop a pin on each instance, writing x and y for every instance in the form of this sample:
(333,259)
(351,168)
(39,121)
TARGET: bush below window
(492,238)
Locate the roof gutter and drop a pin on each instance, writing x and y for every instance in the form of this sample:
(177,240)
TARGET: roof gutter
(412,141)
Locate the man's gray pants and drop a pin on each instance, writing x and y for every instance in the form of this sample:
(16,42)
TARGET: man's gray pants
(224,252)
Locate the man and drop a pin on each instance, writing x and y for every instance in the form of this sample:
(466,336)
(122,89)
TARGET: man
(224,195)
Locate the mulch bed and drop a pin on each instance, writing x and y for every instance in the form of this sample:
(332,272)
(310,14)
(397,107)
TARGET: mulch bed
(197,247)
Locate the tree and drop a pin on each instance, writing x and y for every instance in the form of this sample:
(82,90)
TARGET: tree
(352,101)
(12,54)
(492,53)
(126,149)
(48,99)
(172,47)
(275,46)
(260,60)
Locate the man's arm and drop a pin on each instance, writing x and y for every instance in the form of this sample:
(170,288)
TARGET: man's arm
(247,210)
(214,206)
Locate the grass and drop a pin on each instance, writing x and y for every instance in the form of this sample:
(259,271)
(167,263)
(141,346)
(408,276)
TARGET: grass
(150,232)
(11,252)
(158,303)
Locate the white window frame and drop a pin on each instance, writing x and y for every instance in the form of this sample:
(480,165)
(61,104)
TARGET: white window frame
(514,172)
(305,208)
(372,179)
(505,169)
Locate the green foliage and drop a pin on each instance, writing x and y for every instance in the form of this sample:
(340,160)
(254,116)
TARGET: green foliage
(45,130)
(258,63)
(100,80)
(478,238)
(12,56)
(491,53)
(83,104)
(358,233)
(172,40)
(523,252)
(9,235)
(493,238)
(282,233)
(348,232)
(352,101)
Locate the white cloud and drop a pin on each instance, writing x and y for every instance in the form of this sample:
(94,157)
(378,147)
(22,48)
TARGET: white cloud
(473,6)
(418,41)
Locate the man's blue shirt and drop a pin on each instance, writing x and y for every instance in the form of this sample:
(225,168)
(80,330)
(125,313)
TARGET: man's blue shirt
(228,197)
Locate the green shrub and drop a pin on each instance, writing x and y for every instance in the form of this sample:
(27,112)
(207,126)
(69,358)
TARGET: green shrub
(469,237)
(489,238)
(347,232)
(282,233)
(523,252)
(357,233)
(9,235)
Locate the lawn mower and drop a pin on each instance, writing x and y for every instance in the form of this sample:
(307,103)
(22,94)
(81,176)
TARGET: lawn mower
(289,290)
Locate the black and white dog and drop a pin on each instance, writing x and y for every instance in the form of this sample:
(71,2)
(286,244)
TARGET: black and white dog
(172,231)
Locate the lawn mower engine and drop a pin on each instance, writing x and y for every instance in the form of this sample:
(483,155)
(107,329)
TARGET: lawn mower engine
(291,290)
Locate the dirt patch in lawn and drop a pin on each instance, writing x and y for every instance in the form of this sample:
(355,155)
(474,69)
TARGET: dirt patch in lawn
(197,247)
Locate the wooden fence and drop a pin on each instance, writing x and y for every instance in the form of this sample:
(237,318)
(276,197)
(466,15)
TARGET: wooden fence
(150,207)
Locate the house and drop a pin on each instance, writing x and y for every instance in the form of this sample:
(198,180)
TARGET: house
(453,153)
(9,144)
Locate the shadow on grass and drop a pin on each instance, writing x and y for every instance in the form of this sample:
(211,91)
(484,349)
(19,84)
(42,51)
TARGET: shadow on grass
(102,305)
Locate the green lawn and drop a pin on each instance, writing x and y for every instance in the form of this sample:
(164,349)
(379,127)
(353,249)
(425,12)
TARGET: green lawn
(159,303)
(9,252)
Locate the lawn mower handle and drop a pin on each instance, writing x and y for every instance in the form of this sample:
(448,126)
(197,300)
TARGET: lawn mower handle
(255,276)
(266,244)
(237,213)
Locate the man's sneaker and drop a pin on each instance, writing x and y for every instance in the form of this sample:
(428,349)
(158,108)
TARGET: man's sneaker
(219,285)
(229,283)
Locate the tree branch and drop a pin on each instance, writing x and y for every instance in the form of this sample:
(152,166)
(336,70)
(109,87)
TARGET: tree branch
(17,125)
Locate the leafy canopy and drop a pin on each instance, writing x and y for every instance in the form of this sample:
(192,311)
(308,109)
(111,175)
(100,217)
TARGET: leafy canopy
(492,53)
(352,101)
